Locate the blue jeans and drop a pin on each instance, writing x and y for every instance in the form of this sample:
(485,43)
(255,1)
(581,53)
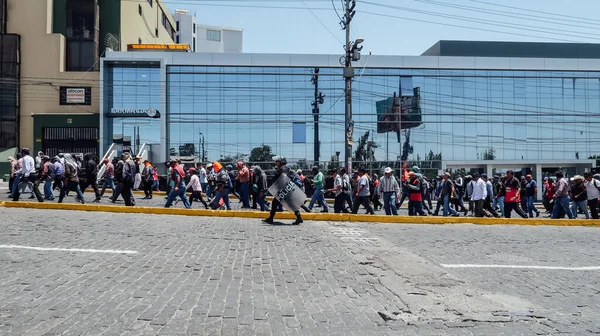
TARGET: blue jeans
(581,205)
(245,189)
(223,194)
(499,201)
(16,184)
(320,197)
(108,182)
(261,202)
(204,188)
(531,208)
(48,189)
(389,203)
(562,202)
(181,193)
(447,208)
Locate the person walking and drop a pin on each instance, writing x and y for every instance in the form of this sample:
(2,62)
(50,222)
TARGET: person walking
(479,196)
(415,199)
(319,186)
(196,188)
(561,196)
(549,196)
(147,179)
(71,180)
(348,193)
(531,192)
(203,177)
(177,176)
(448,195)
(487,203)
(389,190)
(512,191)
(338,190)
(260,178)
(13,170)
(499,194)
(90,176)
(244,178)
(376,199)
(578,194)
(224,184)
(48,176)
(362,193)
(27,173)
(459,187)
(138,175)
(592,188)
(280,169)
(109,177)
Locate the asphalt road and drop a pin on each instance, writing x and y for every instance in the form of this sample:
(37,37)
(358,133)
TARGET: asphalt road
(80,273)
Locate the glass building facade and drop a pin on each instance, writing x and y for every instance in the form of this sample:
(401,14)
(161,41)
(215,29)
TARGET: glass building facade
(464,114)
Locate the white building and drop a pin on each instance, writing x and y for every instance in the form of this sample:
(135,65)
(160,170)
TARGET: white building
(203,38)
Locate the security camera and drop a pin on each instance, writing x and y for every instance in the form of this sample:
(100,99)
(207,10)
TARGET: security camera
(369,52)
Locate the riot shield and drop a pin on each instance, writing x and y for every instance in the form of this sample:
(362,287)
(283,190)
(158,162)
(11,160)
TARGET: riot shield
(288,193)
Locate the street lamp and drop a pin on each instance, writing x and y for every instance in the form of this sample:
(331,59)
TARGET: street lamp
(201,157)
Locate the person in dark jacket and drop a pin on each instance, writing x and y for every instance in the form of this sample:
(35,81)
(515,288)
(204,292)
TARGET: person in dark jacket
(260,186)
(89,176)
(280,169)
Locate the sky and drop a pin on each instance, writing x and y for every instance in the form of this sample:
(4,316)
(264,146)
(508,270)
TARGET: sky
(407,27)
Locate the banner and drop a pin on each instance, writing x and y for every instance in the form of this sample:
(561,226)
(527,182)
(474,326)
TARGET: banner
(288,193)
(399,113)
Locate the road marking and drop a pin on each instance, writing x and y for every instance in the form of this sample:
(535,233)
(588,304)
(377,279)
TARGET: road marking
(65,249)
(583,268)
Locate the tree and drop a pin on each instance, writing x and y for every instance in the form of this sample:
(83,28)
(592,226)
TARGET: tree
(334,163)
(232,158)
(365,150)
(489,154)
(597,158)
(262,155)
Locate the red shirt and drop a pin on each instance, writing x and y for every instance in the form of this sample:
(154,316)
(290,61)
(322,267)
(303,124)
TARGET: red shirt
(414,194)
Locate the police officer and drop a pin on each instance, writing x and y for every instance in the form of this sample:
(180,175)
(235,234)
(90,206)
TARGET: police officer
(280,169)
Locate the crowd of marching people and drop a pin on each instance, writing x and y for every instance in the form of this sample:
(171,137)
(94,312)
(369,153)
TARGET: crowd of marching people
(475,195)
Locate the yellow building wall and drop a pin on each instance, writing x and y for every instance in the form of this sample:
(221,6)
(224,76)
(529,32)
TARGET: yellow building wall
(43,57)
(43,61)
(135,26)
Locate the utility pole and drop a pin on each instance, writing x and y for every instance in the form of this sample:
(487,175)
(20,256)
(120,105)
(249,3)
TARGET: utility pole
(352,50)
(319,99)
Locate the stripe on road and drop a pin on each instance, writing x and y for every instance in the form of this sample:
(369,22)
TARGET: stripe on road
(583,268)
(65,249)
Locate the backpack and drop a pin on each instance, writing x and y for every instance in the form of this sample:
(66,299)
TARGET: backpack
(128,174)
(223,178)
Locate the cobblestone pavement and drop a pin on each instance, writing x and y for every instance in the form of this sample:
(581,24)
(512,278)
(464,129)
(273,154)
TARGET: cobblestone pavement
(233,276)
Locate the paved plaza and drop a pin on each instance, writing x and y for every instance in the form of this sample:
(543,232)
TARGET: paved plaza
(93,273)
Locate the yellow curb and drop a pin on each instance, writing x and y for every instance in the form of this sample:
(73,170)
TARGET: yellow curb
(307,216)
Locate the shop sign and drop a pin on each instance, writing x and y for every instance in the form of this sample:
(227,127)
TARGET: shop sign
(134,113)
(75,95)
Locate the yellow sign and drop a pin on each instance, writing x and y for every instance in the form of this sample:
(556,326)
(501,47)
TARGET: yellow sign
(38,140)
(180,47)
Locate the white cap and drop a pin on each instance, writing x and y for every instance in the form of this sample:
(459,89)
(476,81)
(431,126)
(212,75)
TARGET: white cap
(387,170)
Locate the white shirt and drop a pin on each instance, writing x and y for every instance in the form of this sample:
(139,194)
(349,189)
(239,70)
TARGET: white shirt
(194,183)
(203,178)
(592,189)
(479,190)
(337,182)
(363,182)
(28,166)
(346,178)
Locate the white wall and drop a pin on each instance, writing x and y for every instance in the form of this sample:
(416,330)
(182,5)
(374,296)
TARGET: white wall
(231,40)
(186,28)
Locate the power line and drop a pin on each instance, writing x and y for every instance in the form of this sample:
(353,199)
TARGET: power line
(321,22)
(482,21)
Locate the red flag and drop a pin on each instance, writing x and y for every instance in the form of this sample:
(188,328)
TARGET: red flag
(404,173)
